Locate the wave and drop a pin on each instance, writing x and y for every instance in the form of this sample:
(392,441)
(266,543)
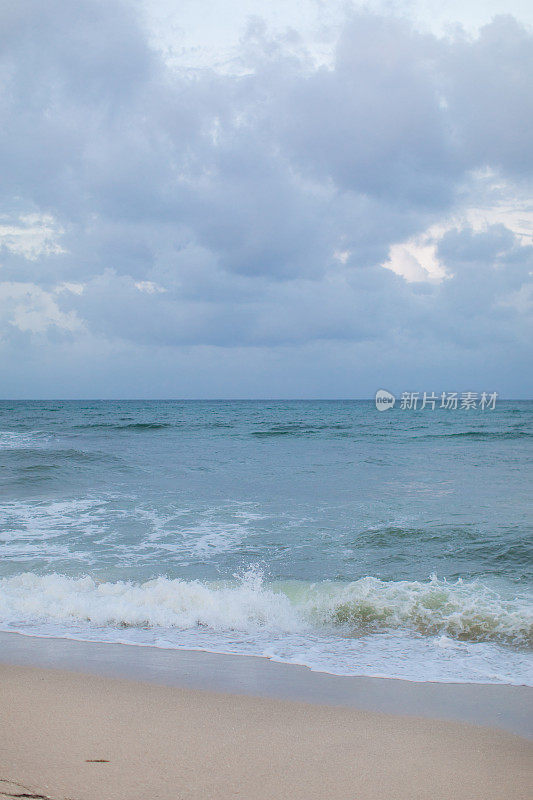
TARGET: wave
(152,426)
(304,429)
(130,426)
(481,435)
(42,457)
(468,612)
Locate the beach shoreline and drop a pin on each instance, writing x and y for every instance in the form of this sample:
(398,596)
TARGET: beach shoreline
(82,736)
(502,706)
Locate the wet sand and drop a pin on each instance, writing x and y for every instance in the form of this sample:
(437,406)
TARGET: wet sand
(494,705)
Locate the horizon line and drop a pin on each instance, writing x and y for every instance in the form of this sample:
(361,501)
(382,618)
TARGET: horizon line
(211,399)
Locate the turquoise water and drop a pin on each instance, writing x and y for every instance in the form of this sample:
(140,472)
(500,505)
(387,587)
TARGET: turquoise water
(323,533)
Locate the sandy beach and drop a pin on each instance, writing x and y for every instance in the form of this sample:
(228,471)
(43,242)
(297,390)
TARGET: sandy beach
(83,737)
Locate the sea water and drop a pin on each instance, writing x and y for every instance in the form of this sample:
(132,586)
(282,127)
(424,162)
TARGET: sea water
(323,533)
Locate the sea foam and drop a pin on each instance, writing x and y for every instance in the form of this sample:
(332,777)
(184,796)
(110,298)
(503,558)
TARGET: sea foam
(462,611)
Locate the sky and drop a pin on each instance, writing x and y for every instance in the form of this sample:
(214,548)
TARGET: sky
(236,199)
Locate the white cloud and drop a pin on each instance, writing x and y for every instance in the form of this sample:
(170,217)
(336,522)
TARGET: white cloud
(208,35)
(73,288)
(514,216)
(149,287)
(31,235)
(416,259)
(31,309)
(502,204)
(342,256)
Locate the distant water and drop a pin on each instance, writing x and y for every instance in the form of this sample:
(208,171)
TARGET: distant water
(321,533)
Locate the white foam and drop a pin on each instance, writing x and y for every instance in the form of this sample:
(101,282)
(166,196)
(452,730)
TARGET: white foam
(417,630)
(26,525)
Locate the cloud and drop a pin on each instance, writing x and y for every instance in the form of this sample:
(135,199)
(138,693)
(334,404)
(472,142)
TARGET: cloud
(31,236)
(375,124)
(487,94)
(286,205)
(29,309)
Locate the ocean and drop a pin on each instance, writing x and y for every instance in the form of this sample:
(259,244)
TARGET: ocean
(322,533)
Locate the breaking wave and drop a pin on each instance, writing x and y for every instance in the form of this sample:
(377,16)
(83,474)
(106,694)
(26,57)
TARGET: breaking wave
(468,612)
